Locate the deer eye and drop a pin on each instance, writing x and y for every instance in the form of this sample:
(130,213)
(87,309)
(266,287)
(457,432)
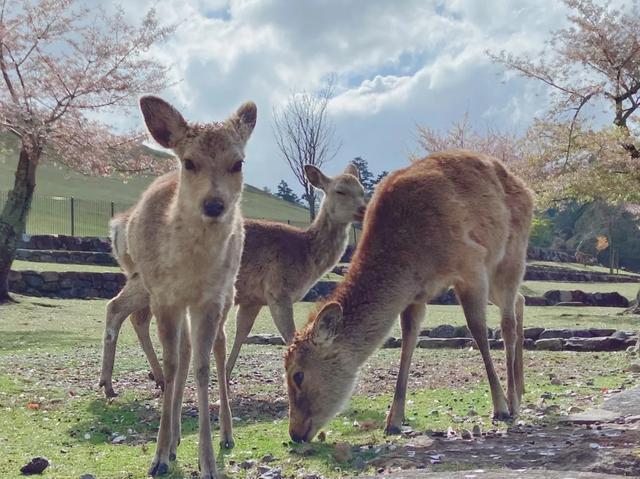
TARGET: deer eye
(189,165)
(297,378)
(341,193)
(237,167)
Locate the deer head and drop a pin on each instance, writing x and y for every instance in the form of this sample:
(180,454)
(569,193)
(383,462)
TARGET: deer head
(319,378)
(211,155)
(344,198)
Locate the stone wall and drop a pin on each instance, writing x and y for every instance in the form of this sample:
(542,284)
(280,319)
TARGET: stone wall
(67,243)
(551,273)
(545,254)
(66,257)
(66,284)
(448,336)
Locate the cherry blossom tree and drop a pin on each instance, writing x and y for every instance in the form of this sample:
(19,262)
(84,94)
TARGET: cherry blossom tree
(62,65)
(594,61)
(461,134)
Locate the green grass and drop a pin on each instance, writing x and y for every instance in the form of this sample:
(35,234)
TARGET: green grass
(19,265)
(50,355)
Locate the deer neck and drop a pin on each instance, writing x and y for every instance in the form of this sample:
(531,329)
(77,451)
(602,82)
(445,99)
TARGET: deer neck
(328,239)
(372,297)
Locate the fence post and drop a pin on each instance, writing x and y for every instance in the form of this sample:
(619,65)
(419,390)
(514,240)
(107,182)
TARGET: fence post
(112,209)
(73,229)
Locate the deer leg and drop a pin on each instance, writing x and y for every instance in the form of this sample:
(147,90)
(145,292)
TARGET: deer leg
(508,327)
(519,361)
(282,313)
(473,298)
(410,320)
(169,325)
(220,354)
(132,297)
(245,318)
(204,324)
(141,321)
(184,357)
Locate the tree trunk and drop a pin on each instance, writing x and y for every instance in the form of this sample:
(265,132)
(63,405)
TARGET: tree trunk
(13,218)
(311,200)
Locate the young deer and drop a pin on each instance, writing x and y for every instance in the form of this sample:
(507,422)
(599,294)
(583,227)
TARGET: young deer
(454,218)
(279,265)
(181,244)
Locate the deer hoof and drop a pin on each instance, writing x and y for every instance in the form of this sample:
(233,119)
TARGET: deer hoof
(159,469)
(392,430)
(502,416)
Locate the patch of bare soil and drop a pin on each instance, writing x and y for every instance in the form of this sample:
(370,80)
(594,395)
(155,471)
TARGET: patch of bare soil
(612,449)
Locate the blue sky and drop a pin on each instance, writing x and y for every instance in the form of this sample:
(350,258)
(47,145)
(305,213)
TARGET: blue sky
(398,64)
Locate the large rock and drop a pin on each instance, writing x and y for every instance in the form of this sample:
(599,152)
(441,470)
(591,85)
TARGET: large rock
(439,343)
(555,333)
(536,301)
(613,299)
(443,331)
(552,344)
(533,333)
(606,343)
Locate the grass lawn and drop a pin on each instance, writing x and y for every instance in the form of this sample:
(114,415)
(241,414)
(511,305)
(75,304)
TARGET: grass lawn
(50,357)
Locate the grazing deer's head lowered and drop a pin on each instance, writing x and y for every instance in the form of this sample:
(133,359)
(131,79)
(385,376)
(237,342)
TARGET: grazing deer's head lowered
(311,364)
(211,155)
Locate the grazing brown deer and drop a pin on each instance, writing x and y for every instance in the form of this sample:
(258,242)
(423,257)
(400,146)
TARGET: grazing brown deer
(182,243)
(279,265)
(454,218)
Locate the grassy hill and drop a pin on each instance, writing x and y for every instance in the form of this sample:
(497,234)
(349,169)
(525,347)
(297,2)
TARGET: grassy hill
(51,211)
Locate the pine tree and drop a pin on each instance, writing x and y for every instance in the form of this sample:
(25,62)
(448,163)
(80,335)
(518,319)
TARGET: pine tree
(286,193)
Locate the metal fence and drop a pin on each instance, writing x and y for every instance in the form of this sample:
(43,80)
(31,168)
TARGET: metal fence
(79,217)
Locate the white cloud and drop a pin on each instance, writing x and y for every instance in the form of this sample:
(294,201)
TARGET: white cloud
(397,64)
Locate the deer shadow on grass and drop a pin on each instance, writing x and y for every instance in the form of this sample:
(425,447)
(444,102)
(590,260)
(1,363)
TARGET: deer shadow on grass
(102,420)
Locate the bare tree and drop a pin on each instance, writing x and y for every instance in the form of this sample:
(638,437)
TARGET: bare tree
(305,135)
(61,64)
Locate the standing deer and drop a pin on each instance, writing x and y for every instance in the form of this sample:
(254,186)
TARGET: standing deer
(454,218)
(280,263)
(181,245)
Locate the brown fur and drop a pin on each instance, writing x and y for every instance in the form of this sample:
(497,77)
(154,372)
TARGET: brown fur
(455,218)
(279,265)
(183,261)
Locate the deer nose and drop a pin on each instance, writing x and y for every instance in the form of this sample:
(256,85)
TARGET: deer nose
(213,208)
(295,437)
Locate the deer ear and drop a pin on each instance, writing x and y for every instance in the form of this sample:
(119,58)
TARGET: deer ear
(351,169)
(245,119)
(316,177)
(326,324)
(165,123)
